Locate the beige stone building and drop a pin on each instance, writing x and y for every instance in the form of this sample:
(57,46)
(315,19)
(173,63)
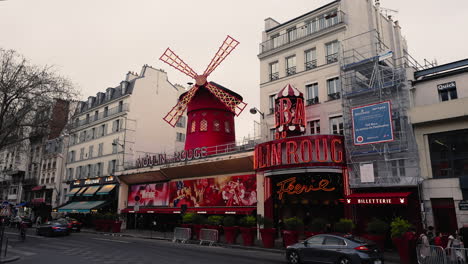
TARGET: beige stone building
(440,119)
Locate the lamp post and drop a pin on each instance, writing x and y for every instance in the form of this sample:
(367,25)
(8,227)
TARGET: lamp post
(253,111)
(117,143)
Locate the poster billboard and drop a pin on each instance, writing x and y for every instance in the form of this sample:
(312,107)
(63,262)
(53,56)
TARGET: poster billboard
(153,194)
(372,123)
(218,191)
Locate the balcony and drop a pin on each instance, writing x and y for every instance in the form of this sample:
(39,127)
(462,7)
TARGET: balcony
(291,71)
(274,76)
(331,58)
(301,33)
(100,116)
(312,101)
(334,96)
(310,65)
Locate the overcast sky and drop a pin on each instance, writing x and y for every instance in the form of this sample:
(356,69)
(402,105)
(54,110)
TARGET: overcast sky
(96,42)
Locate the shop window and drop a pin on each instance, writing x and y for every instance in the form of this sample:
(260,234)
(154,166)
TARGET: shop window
(193,127)
(203,125)
(216,125)
(449,153)
(336,125)
(445,218)
(227,127)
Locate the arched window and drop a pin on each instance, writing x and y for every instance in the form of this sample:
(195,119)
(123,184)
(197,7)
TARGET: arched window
(203,125)
(227,127)
(216,125)
(193,127)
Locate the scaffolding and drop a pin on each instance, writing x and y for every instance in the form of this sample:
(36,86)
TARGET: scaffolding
(368,76)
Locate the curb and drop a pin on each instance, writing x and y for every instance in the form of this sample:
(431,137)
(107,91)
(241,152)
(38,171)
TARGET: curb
(9,259)
(123,235)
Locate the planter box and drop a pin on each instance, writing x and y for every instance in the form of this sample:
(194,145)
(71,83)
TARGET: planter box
(116,225)
(248,235)
(268,237)
(230,233)
(290,237)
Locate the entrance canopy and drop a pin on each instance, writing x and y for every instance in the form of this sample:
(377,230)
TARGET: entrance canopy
(378,198)
(198,210)
(81,207)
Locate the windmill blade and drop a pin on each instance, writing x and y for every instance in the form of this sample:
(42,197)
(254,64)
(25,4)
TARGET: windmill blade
(178,110)
(175,61)
(228,45)
(234,104)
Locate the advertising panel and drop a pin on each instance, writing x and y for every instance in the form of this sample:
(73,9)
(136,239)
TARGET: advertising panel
(218,191)
(372,123)
(154,194)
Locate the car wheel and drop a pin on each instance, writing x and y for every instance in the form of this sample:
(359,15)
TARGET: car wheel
(293,257)
(344,261)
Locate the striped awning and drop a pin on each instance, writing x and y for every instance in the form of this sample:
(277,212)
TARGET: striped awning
(91,191)
(73,191)
(81,191)
(106,189)
(81,207)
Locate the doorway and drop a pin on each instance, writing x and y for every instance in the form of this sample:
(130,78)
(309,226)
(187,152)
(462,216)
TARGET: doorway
(445,218)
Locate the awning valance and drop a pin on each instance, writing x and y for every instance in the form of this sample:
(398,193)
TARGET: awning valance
(83,190)
(378,198)
(38,188)
(91,191)
(73,191)
(106,189)
(81,207)
(199,210)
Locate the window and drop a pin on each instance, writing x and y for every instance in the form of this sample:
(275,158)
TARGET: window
(112,166)
(227,127)
(181,122)
(216,125)
(70,173)
(71,157)
(203,125)
(398,168)
(274,71)
(82,136)
(334,241)
(116,125)
(96,115)
(93,133)
(449,153)
(334,88)
(315,240)
(180,137)
(312,26)
(78,172)
(106,111)
(331,51)
(88,171)
(291,65)
(99,167)
(81,153)
(91,150)
(85,135)
(314,127)
(120,106)
(103,130)
(312,93)
(292,34)
(275,40)
(447,91)
(193,127)
(336,125)
(331,18)
(310,59)
(87,118)
(272,133)
(114,146)
(100,149)
(271,103)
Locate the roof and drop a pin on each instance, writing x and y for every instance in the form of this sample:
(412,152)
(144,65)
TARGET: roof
(304,15)
(441,71)
(238,96)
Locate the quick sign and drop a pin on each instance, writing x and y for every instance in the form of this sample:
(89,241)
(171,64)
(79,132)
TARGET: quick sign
(446,86)
(372,123)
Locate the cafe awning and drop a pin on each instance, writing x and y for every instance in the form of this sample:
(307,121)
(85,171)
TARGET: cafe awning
(91,191)
(198,210)
(382,198)
(106,189)
(81,191)
(73,191)
(81,207)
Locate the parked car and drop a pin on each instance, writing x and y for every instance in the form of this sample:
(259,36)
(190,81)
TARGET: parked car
(52,228)
(73,224)
(334,248)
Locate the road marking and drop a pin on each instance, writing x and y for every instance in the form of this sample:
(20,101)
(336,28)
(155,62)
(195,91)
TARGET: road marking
(112,240)
(21,252)
(11,233)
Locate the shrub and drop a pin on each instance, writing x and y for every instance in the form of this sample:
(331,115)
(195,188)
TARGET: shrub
(264,222)
(377,227)
(344,225)
(293,223)
(188,218)
(317,225)
(248,221)
(399,226)
(199,219)
(229,221)
(215,220)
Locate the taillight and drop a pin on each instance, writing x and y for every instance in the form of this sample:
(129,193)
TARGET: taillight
(362,248)
(55,227)
(70,225)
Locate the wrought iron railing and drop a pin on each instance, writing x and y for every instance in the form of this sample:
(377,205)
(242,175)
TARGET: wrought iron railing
(291,70)
(313,101)
(309,65)
(324,23)
(274,76)
(100,116)
(331,58)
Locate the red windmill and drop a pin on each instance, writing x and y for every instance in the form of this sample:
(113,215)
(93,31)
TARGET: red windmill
(210,107)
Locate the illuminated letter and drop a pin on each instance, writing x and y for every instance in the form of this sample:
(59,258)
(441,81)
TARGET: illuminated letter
(299,116)
(285,111)
(305,143)
(324,148)
(333,151)
(292,144)
(276,154)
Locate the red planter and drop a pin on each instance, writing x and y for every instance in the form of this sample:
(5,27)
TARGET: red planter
(230,233)
(290,237)
(403,249)
(106,225)
(248,235)
(116,226)
(268,237)
(378,239)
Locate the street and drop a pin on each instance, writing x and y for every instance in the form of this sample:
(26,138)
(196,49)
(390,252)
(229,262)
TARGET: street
(92,248)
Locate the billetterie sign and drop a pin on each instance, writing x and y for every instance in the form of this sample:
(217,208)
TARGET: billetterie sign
(313,150)
(160,159)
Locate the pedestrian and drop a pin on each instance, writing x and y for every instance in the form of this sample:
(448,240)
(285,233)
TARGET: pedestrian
(424,249)
(430,235)
(454,247)
(438,240)
(38,220)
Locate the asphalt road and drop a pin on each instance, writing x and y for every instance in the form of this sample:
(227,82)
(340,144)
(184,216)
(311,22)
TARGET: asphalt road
(83,248)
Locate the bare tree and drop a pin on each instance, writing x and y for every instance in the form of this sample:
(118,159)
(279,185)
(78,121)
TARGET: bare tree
(27,90)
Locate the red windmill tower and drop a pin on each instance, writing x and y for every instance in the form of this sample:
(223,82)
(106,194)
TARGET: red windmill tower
(210,107)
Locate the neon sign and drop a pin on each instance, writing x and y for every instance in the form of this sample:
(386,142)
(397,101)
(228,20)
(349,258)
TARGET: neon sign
(289,186)
(159,159)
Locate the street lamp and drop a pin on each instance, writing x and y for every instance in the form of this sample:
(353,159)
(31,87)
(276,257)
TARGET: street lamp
(254,110)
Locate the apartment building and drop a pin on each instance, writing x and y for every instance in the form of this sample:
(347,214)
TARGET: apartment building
(110,130)
(440,119)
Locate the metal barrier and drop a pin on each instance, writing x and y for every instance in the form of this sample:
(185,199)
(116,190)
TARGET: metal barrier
(431,255)
(181,233)
(456,255)
(208,235)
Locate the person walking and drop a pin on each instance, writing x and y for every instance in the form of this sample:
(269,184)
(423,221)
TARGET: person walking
(424,249)
(38,220)
(454,248)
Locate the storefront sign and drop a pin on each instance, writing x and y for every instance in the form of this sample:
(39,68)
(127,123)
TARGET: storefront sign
(289,186)
(447,86)
(154,194)
(93,181)
(390,200)
(160,159)
(372,123)
(317,150)
(463,205)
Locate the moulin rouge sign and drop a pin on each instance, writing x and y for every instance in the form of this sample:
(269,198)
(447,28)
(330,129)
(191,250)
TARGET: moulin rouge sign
(160,159)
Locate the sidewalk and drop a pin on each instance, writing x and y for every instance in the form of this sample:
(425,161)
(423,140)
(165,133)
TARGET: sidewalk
(390,257)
